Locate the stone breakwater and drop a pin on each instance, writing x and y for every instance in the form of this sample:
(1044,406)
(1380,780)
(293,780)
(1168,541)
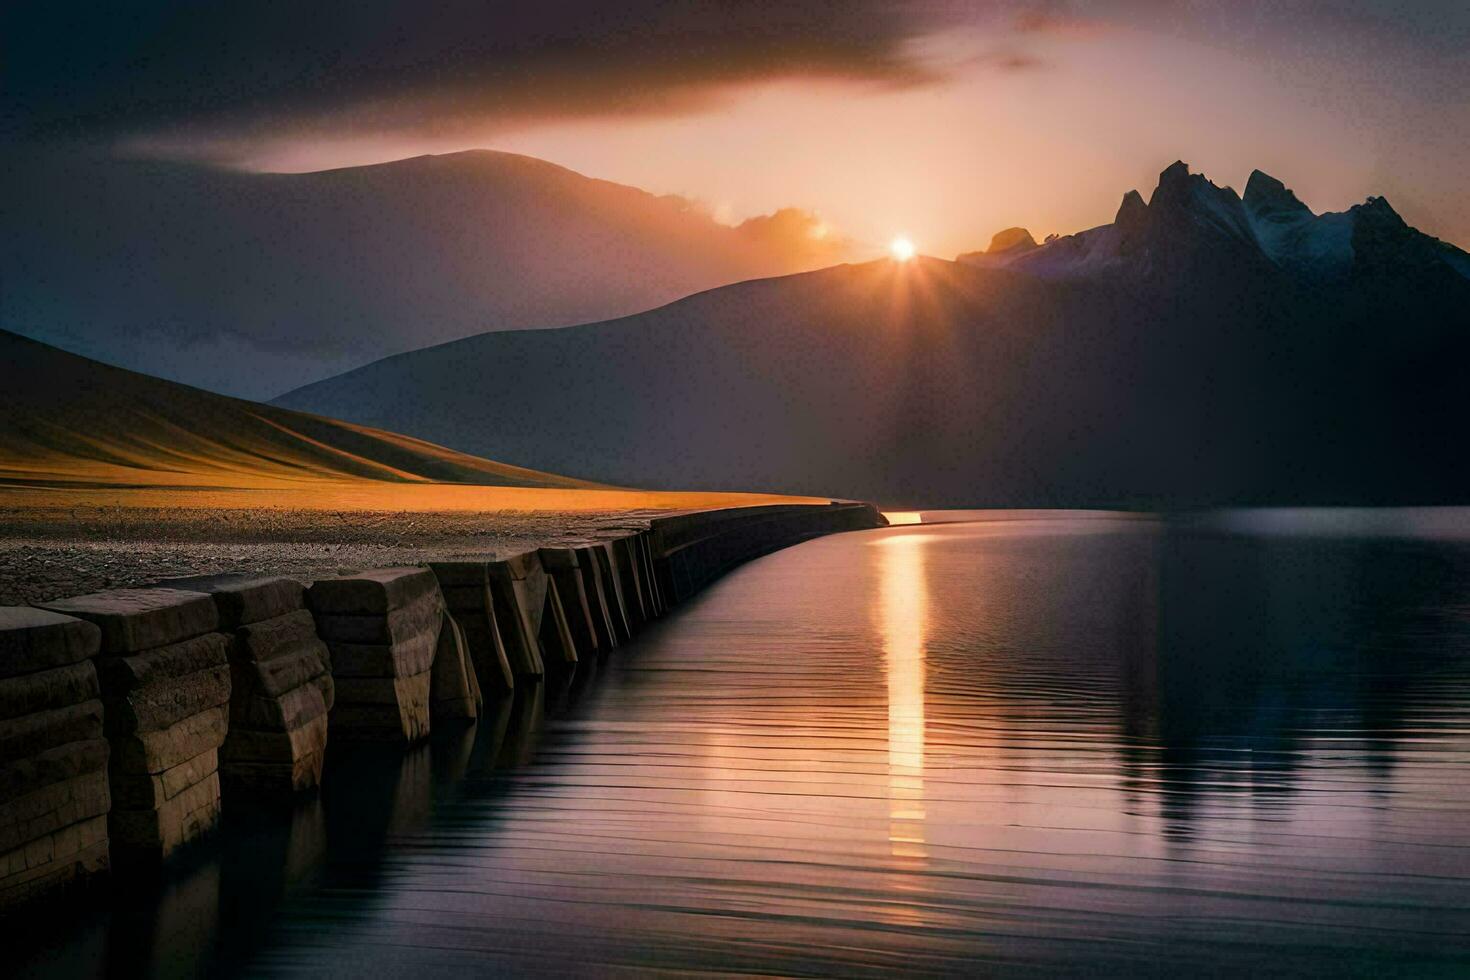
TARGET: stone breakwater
(131,719)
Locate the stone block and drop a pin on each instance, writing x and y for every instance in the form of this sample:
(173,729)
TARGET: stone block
(612,587)
(531,592)
(367,593)
(153,834)
(652,590)
(599,597)
(555,635)
(276,743)
(451,574)
(160,705)
(30,735)
(121,674)
(454,691)
(281,712)
(284,691)
(626,555)
(54,765)
(46,865)
(518,588)
(394,626)
(525,565)
(241,600)
(140,619)
(33,640)
(47,689)
(467,594)
(156,751)
(287,670)
(572,589)
(409,656)
(51,808)
(487,653)
(382,708)
(150,790)
(250,746)
(269,638)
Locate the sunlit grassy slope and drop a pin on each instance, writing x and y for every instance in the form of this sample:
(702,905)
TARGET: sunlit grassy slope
(76,430)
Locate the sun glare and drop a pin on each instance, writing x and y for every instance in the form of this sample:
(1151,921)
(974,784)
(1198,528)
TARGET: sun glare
(901,248)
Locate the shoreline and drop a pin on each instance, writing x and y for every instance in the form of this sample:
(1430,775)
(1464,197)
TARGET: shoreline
(221,685)
(62,541)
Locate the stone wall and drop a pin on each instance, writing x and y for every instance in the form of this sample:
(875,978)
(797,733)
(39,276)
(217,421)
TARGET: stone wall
(54,795)
(466,589)
(281,685)
(165,681)
(120,711)
(382,630)
(691,550)
(454,687)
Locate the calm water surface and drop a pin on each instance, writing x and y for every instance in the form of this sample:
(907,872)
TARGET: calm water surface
(1051,745)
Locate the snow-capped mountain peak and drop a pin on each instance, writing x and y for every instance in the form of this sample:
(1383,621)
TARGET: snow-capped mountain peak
(1188,219)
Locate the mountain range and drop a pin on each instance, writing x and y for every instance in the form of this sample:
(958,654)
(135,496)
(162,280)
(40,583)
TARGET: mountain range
(1268,226)
(1202,349)
(252,284)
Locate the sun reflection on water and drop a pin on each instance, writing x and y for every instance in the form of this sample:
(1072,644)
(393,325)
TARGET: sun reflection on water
(903,615)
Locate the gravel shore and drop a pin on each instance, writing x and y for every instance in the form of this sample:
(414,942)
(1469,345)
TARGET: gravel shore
(47,553)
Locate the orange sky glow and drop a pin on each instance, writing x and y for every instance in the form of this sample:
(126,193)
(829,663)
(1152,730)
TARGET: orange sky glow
(1049,143)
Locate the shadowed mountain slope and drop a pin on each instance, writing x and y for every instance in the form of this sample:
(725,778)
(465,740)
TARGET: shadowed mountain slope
(254,283)
(1194,371)
(69,421)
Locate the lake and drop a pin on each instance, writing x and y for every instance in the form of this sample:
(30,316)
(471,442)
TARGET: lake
(1045,744)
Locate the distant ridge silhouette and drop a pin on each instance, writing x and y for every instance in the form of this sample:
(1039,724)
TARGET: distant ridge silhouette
(255,283)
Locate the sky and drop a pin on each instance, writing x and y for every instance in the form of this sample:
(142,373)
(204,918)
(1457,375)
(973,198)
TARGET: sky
(941,120)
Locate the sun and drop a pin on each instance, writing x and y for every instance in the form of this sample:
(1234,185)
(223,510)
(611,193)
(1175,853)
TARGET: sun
(901,249)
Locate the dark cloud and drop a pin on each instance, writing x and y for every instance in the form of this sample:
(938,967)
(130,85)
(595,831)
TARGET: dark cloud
(182,73)
(109,70)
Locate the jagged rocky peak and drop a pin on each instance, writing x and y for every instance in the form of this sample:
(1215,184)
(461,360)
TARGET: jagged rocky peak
(1265,195)
(1379,211)
(1174,184)
(1188,217)
(1131,213)
(1183,199)
(1178,186)
(1011,240)
(1264,191)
